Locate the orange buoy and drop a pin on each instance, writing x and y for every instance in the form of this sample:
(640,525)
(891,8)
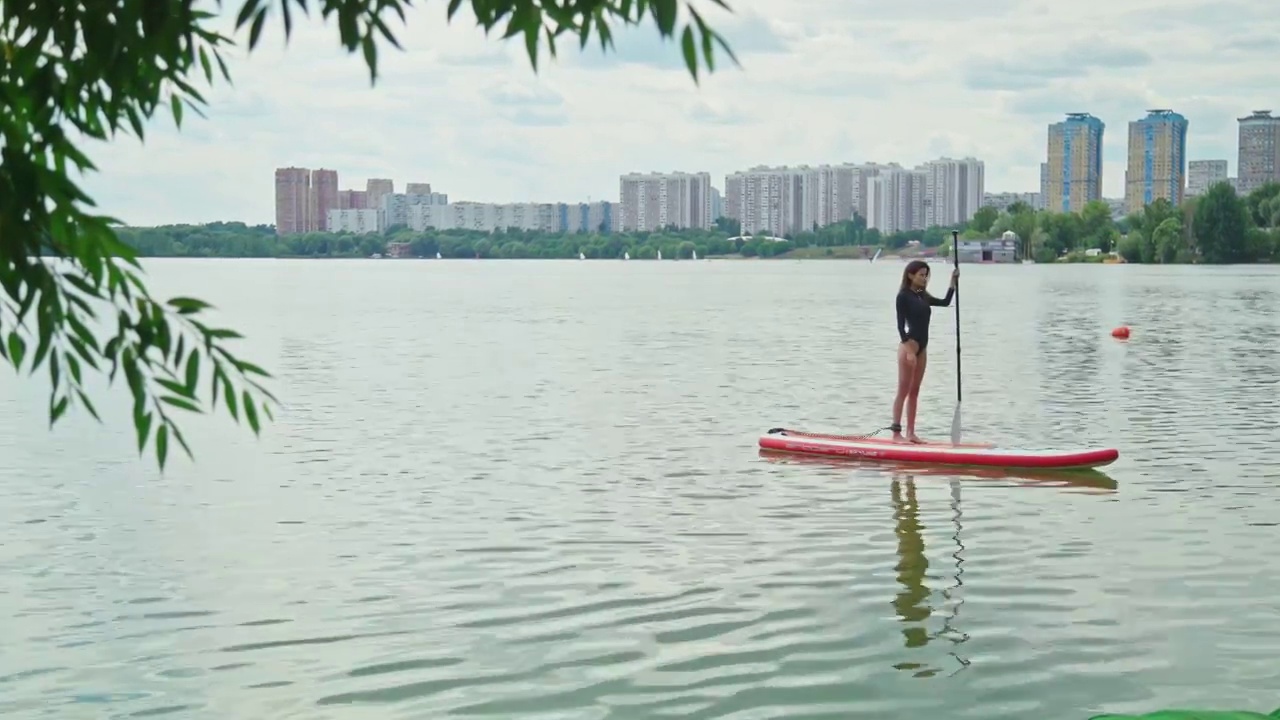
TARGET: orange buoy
(1121,333)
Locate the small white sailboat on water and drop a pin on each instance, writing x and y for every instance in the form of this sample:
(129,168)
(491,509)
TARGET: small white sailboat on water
(877,255)
(438,256)
(659,254)
(581,256)
(695,254)
(626,256)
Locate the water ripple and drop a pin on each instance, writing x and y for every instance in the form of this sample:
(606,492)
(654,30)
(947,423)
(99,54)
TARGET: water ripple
(531,490)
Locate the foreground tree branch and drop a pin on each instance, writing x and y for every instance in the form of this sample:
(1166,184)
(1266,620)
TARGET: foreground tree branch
(105,69)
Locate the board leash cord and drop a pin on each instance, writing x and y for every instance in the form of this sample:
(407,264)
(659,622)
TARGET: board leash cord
(799,433)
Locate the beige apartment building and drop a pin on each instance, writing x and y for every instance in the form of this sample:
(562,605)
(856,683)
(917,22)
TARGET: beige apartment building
(304,198)
(1157,160)
(1073,173)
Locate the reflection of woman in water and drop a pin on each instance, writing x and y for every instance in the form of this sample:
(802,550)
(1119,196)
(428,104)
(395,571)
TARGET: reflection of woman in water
(912,602)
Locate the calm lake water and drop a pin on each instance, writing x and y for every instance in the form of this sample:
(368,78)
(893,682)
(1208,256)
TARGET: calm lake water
(531,489)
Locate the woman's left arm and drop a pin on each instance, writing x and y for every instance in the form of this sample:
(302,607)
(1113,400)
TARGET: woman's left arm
(946,299)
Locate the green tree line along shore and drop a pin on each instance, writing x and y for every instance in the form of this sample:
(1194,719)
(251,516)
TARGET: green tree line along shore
(1219,227)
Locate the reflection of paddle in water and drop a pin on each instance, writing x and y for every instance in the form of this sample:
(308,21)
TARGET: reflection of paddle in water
(912,604)
(949,632)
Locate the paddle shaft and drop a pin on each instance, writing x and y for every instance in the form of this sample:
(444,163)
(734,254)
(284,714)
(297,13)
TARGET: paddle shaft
(955,254)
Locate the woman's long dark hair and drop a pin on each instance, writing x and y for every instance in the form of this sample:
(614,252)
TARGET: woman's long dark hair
(912,268)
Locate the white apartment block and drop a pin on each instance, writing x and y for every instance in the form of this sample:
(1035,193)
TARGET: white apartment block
(953,190)
(1203,174)
(540,217)
(766,200)
(360,222)
(1003,200)
(486,217)
(599,216)
(863,176)
(651,201)
(896,200)
(393,208)
(788,200)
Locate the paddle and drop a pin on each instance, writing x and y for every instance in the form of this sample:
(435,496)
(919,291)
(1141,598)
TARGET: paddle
(955,419)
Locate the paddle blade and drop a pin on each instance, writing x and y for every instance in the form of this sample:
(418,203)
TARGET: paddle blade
(955,426)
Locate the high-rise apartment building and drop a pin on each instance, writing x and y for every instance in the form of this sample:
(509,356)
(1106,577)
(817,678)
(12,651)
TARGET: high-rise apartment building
(293,201)
(1157,160)
(375,190)
(788,200)
(896,200)
(1203,174)
(417,189)
(324,197)
(1074,163)
(767,200)
(1259,148)
(304,198)
(353,200)
(651,201)
(395,207)
(953,190)
(833,197)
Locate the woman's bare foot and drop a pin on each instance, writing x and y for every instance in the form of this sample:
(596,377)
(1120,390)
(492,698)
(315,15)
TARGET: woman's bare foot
(897,437)
(913,438)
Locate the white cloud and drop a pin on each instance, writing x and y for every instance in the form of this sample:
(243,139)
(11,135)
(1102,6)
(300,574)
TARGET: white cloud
(821,81)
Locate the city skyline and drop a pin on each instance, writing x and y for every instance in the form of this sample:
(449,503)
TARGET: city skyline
(785,200)
(503,133)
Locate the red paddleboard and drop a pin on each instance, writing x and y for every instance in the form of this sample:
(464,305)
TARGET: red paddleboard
(972,454)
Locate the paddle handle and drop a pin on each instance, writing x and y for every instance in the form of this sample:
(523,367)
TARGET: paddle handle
(955,255)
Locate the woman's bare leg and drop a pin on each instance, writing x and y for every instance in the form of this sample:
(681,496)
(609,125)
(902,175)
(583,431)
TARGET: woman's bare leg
(906,376)
(913,394)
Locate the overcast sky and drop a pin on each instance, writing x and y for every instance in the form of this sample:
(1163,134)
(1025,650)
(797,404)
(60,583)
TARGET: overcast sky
(822,81)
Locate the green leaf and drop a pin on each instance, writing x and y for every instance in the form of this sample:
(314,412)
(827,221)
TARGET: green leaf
(230,397)
(188,306)
(193,372)
(180,403)
(177,435)
(664,13)
(57,409)
(175,103)
(17,349)
(250,413)
(370,57)
(249,368)
(256,30)
(162,444)
(88,405)
(74,365)
(690,51)
(204,64)
(142,425)
(174,387)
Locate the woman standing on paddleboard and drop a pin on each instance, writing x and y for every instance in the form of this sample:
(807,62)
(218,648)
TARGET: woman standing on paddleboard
(915,306)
